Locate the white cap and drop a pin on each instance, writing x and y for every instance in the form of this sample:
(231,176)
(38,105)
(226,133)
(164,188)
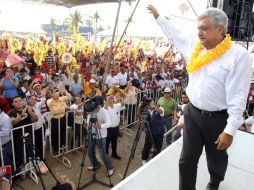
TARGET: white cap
(167,89)
(92,81)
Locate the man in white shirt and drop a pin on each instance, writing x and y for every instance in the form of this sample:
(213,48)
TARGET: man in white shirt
(38,130)
(113,130)
(179,65)
(110,78)
(122,78)
(78,108)
(5,136)
(97,130)
(219,79)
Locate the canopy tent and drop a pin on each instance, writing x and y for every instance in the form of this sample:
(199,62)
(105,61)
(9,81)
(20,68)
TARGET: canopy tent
(72,3)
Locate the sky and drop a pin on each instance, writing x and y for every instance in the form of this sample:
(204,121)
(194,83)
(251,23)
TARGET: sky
(22,16)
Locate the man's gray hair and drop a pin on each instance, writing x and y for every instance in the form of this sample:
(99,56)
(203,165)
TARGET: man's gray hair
(219,17)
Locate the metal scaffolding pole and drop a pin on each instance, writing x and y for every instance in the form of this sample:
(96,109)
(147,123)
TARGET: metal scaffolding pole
(129,20)
(111,45)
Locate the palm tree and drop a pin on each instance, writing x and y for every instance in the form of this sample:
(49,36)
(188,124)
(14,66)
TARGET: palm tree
(74,21)
(96,17)
(101,28)
(52,25)
(89,22)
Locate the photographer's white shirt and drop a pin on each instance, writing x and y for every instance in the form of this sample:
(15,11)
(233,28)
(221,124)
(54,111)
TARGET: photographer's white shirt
(104,120)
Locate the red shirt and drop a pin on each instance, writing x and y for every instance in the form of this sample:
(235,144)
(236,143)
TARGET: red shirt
(5,103)
(40,77)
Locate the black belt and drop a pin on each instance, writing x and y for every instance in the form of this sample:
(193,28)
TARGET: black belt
(211,113)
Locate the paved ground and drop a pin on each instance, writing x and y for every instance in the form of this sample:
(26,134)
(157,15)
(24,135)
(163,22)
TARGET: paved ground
(71,175)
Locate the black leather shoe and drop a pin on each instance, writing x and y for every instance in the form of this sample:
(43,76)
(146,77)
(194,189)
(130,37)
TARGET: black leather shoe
(116,156)
(211,187)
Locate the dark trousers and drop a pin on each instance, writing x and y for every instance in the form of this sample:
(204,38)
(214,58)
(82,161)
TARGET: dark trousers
(79,135)
(20,145)
(201,130)
(158,140)
(39,143)
(112,138)
(7,155)
(57,129)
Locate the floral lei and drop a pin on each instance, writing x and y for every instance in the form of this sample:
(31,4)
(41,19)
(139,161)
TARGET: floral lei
(196,61)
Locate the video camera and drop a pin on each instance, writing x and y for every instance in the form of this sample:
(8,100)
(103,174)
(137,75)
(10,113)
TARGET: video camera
(143,108)
(91,105)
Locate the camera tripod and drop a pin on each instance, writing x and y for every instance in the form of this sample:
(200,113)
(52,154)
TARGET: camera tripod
(31,154)
(143,125)
(90,138)
(30,149)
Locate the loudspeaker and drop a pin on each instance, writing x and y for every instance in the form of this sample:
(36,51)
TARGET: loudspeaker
(240,18)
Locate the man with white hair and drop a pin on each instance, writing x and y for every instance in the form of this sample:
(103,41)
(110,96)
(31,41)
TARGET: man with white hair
(219,79)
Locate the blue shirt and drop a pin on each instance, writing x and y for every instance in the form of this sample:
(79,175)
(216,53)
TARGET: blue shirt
(76,88)
(9,90)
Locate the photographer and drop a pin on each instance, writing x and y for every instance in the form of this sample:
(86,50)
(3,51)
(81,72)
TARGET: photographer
(100,121)
(154,121)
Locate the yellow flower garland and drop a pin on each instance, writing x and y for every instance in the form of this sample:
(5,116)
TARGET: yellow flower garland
(196,61)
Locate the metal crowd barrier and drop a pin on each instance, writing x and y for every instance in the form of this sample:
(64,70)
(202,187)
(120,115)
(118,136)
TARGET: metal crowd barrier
(73,141)
(1,154)
(74,136)
(21,137)
(128,114)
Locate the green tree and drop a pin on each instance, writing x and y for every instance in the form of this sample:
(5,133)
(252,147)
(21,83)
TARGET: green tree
(52,25)
(74,21)
(89,22)
(101,28)
(96,18)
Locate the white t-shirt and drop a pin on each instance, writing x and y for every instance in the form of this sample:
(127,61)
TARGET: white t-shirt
(114,114)
(170,84)
(250,121)
(104,120)
(78,113)
(122,78)
(110,80)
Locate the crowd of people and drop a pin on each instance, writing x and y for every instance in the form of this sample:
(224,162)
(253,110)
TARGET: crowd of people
(28,91)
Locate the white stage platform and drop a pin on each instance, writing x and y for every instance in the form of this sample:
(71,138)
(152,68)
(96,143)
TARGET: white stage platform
(161,173)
